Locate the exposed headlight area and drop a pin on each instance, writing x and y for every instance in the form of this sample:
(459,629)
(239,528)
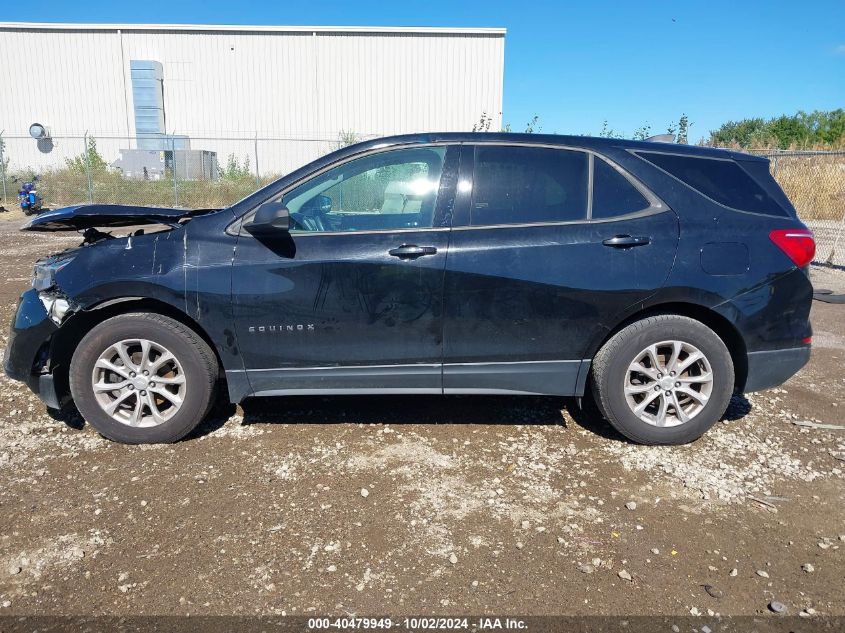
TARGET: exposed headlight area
(44,273)
(44,281)
(57,307)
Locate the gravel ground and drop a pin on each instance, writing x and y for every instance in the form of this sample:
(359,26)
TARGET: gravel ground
(425,505)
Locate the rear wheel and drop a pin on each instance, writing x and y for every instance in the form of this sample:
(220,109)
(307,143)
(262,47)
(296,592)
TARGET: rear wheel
(663,380)
(143,378)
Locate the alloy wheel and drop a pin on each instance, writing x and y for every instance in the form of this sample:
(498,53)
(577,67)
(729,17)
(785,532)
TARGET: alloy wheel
(139,383)
(668,383)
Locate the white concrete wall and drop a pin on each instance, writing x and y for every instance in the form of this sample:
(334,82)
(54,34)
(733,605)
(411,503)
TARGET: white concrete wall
(238,82)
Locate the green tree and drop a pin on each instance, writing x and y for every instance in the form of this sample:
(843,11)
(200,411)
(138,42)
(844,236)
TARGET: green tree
(738,132)
(5,165)
(533,125)
(94,160)
(483,124)
(683,130)
(642,133)
(607,131)
(814,129)
(347,137)
(234,169)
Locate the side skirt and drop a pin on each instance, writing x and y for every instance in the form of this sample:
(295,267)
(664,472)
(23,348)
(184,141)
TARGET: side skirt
(546,377)
(549,378)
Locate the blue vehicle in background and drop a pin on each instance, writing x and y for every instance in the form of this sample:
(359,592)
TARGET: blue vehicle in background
(28,197)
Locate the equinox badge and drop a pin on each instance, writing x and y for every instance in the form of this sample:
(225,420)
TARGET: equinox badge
(297,327)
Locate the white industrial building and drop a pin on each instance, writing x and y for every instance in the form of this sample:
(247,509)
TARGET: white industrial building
(219,88)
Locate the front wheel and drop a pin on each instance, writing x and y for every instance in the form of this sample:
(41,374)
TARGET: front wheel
(143,378)
(663,380)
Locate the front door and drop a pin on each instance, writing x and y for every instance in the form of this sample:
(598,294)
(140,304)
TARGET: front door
(351,298)
(540,262)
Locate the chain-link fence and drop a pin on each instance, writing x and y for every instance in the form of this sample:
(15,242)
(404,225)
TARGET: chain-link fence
(190,172)
(209,172)
(815,183)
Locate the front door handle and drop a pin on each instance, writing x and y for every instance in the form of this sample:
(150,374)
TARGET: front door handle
(626,241)
(411,251)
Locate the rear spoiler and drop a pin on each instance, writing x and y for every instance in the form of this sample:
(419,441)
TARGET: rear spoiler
(661,138)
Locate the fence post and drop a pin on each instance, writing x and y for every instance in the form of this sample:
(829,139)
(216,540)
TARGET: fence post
(830,258)
(173,164)
(257,175)
(3,165)
(88,169)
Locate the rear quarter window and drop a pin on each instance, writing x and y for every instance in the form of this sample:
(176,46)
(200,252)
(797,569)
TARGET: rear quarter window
(613,194)
(722,180)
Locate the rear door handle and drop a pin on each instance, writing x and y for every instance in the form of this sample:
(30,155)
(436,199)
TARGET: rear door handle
(411,251)
(626,241)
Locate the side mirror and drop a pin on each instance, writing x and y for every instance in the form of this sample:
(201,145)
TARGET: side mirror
(271,218)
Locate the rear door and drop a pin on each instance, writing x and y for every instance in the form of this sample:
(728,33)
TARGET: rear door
(548,245)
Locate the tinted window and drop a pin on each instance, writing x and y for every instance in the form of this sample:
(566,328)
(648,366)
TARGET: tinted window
(613,194)
(515,185)
(722,180)
(391,190)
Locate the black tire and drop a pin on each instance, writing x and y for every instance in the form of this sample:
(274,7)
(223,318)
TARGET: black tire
(196,358)
(613,360)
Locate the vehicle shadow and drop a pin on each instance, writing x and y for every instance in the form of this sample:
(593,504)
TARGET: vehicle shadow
(428,410)
(411,409)
(738,408)
(68,415)
(404,409)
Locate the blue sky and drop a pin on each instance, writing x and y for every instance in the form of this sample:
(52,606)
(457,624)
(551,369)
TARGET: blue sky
(578,64)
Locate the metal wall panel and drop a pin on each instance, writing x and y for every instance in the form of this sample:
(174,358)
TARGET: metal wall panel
(76,77)
(226,83)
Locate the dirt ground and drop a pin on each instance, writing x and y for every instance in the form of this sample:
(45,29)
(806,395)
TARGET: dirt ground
(425,505)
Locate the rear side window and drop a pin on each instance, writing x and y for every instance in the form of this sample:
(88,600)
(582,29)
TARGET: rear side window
(521,185)
(613,194)
(721,180)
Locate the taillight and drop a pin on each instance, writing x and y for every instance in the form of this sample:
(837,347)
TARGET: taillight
(798,244)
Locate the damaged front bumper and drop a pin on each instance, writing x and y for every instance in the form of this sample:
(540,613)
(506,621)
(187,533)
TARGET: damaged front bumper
(27,353)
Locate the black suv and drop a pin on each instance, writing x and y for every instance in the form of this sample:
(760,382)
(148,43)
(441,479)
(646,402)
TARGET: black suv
(659,278)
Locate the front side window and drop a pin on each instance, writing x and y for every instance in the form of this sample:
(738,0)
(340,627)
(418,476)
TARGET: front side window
(524,185)
(387,191)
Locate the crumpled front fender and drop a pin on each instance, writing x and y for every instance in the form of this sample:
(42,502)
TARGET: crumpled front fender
(31,329)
